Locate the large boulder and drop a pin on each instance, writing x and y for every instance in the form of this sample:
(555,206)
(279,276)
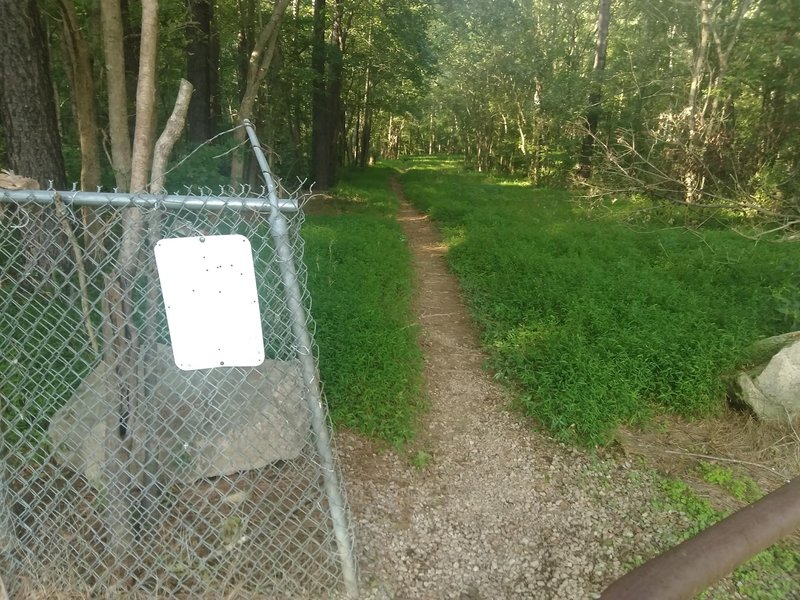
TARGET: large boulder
(774,391)
(195,424)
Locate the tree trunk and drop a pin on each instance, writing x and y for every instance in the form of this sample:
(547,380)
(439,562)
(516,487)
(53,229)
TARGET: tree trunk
(199,69)
(27,106)
(83,90)
(260,60)
(320,114)
(125,441)
(693,177)
(334,90)
(113,34)
(596,95)
(131,39)
(80,73)
(28,115)
(145,98)
(327,115)
(247,20)
(362,153)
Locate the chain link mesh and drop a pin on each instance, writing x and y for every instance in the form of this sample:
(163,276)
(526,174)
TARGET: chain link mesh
(123,476)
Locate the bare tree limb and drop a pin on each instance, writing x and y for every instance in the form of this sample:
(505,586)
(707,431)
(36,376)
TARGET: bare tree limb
(170,135)
(628,169)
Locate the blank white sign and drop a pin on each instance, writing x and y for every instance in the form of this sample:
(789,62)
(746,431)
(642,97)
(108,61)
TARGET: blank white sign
(209,289)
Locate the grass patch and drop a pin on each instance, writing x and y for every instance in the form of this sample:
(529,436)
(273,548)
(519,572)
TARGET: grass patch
(743,488)
(595,324)
(360,281)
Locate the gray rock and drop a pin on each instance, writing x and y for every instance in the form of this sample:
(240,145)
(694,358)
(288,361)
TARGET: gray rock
(774,394)
(196,424)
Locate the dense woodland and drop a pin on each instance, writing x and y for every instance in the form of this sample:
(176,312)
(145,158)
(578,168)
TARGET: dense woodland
(691,101)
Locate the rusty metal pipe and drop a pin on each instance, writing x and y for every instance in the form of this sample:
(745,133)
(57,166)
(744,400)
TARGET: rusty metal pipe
(689,568)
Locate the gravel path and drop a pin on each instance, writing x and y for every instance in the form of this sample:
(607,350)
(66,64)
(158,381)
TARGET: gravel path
(499,510)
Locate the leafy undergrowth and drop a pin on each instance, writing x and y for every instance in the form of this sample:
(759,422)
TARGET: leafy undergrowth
(360,280)
(595,324)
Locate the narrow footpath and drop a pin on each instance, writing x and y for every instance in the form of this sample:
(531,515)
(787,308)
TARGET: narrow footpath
(489,508)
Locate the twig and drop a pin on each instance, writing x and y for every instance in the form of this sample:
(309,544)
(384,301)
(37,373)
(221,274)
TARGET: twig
(208,141)
(728,460)
(81,267)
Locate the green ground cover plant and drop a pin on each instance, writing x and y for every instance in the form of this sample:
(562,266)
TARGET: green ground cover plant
(361,285)
(595,323)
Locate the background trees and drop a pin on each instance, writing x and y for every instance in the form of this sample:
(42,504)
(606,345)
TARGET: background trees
(697,96)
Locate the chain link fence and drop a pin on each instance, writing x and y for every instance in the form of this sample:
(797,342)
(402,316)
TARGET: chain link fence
(126,476)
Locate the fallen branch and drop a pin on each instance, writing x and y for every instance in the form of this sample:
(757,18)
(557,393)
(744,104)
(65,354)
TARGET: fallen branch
(728,460)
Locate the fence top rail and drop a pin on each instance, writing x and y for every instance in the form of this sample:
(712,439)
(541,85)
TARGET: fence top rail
(191,200)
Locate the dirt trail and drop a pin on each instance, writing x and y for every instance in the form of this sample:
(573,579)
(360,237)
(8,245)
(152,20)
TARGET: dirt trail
(498,511)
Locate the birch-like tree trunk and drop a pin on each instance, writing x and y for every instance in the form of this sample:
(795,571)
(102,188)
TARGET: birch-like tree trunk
(114,52)
(125,442)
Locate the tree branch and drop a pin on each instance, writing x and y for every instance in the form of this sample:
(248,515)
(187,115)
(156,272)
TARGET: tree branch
(170,135)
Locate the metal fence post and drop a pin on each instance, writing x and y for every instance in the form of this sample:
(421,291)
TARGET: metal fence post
(280,234)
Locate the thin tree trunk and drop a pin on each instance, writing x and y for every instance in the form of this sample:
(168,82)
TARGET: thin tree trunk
(84,93)
(170,135)
(125,439)
(334,90)
(80,73)
(199,70)
(260,60)
(693,177)
(596,95)
(145,98)
(131,40)
(362,156)
(113,33)
(320,114)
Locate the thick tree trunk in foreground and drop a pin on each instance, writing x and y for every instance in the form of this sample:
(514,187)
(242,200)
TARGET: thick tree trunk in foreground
(27,106)
(28,114)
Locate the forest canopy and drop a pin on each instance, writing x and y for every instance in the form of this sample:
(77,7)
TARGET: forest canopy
(692,101)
